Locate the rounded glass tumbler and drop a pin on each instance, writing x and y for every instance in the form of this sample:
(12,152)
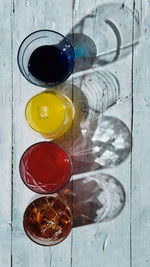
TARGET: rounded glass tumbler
(47,220)
(45,167)
(46,58)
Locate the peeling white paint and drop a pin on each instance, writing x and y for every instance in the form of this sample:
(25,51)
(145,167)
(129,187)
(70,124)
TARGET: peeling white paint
(27,3)
(76,6)
(105,243)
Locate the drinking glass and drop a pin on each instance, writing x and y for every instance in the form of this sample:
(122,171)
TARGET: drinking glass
(46,58)
(50,113)
(48,220)
(45,167)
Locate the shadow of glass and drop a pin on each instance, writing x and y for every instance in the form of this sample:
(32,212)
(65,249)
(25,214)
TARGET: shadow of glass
(110,27)
(91,95)
(101,88)
(81,108)
(94,141)
(96,198)
(85,51)
(107,145)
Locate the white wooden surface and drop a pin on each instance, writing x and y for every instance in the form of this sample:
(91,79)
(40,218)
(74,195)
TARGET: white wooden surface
(123,241)
(6,133)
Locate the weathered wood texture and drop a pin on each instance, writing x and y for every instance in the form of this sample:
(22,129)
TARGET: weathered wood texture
(121,62)
(141,149)
(6,133)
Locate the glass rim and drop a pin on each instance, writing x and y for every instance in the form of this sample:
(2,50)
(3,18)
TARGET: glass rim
(71,216)
(45,84)
(59,128)
(69,177)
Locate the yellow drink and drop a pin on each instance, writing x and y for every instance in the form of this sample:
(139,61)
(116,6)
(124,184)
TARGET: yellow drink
(49,113)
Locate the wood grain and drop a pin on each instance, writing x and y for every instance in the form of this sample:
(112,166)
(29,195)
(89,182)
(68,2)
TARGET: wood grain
(141,149)
(124,240)
(6,130)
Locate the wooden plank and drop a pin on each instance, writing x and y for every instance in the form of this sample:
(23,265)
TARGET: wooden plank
(29,16)
(141,136)
(108,243)
(6,131)
(103,243)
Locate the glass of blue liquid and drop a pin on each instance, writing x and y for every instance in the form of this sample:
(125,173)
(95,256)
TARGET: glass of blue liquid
(46,58)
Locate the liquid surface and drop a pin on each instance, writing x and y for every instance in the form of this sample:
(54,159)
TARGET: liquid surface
(45,113)
(48,64)
(47,221)
(45,167)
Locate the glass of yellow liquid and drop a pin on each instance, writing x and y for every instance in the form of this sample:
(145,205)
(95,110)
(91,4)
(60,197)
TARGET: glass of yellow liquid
(50,113)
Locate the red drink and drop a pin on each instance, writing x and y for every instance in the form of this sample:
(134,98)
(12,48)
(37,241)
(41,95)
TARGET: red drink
(45,167)
(47,220)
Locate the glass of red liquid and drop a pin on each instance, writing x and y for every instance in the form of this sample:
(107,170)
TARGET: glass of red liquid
(45,167)
(48,220)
